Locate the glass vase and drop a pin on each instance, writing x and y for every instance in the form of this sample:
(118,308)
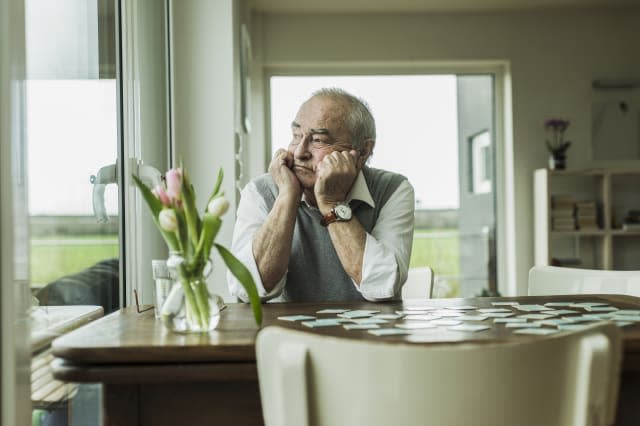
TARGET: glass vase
(190,307)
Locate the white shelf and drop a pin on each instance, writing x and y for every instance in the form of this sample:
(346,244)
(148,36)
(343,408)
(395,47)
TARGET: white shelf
(614,192)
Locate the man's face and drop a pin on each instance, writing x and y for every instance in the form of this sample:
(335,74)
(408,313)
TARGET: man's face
(317,130)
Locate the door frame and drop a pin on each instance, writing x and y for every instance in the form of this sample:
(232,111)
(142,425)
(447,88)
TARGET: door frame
(504,168)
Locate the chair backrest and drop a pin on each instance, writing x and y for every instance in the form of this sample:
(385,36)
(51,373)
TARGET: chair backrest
(550,280)
(419,284)
(570,378)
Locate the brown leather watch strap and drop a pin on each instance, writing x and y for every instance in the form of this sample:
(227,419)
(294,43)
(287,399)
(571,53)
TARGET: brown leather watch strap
(329,218)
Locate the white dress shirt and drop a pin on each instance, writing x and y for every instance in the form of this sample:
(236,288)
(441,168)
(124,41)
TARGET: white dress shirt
(387,247)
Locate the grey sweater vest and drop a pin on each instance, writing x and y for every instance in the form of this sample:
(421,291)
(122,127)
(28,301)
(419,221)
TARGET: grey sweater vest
(315,273)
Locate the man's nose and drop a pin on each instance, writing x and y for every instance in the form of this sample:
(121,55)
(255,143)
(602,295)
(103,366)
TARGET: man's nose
(302,150)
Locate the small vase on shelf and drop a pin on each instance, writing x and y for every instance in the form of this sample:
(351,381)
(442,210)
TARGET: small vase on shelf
(557,161)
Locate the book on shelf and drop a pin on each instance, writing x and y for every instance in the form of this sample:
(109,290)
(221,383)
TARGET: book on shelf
(562,201)
(631,226)
(562,224)
(562,213)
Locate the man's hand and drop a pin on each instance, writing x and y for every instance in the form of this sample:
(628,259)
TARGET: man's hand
(283,176)
(336,174)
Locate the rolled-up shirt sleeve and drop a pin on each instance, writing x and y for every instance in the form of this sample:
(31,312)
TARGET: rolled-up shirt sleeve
(388,247)
(252,213)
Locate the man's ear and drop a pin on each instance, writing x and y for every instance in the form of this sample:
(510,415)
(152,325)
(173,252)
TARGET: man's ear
(365,152)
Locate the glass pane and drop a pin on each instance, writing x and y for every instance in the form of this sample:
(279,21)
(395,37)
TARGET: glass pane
(71,135)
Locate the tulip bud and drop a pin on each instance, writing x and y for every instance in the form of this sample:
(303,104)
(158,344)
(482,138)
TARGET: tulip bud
(218,206)
(173,178)
(161,194)
(168,220)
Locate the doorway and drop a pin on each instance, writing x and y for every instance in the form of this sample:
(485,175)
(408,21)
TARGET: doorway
(438,131)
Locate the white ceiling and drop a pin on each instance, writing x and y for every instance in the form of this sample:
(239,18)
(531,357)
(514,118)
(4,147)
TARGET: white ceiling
(378,6)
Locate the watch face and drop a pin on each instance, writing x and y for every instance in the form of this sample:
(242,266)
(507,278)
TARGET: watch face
(343,212)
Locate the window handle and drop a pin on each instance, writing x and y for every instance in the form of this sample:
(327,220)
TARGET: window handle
(106,175)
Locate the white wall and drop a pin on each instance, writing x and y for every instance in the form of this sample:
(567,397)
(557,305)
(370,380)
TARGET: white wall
(205,110)
(553,56)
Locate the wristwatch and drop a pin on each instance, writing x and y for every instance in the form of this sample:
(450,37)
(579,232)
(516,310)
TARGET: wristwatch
(341,212)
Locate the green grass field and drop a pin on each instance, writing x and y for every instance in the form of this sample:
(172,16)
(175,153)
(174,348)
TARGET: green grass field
(54,257)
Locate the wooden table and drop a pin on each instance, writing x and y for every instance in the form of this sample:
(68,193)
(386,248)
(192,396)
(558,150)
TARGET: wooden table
(154,377)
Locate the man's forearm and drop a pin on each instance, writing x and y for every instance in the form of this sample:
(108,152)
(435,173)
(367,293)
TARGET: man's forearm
(349,239)
(272,243)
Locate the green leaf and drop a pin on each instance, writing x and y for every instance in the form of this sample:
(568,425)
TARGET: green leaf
(190,209)
(155,206)
(216,187)
(210,227)
(244,276)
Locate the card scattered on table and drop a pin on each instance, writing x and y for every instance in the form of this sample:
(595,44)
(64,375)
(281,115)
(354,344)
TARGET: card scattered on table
(360,326)
(538,331)
(469,327)
(558,304)
(587,304)
(493,310)
(425,317)
(522,325)
(498,314)
(531,308)
(470,317)
(535,316)
(321,323)
(509,320)
(504,303)
(355,314)
(445,322)
(415,325)
(296,318)
(332,311)
(368,320)
(388,332)
(462,307)
(600,309)
(388,316)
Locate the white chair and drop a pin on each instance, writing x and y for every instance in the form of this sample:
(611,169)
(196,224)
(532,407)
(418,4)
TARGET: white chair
(419,284)
(311,379)
(550,280)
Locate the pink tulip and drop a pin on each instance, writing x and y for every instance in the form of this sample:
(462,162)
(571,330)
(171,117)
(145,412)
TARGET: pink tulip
(173,179)
(161,194)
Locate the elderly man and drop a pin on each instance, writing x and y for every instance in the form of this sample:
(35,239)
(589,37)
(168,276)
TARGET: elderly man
(321,225)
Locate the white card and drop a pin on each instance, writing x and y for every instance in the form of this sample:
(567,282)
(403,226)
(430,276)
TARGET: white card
(369,321)
(531,308)
(388,332)
(522,325)
(601,309)
(493,310)
(563,312)
(321,323)
(469,317)
(508,320)
(539,331)
(462,308)
(535,316)
(332,311)
(623,323)
(388,316)
(425,317)
(355,314)
(498,314)
(469,327)
(296,318)
(628,312)
(571,327)
(504,303)
(415,325)
(558,304)
(554,322)
(360,326)
(445,322)
(587,304)
(448,313)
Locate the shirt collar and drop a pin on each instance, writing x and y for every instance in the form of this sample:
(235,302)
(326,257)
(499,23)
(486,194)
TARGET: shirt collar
(359,191)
